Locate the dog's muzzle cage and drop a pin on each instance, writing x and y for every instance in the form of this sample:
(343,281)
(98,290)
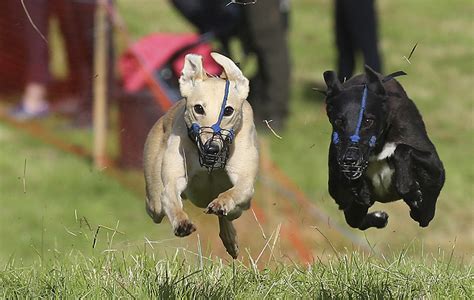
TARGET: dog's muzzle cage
(211,157)
(353,169)
(208,157)
(354,162)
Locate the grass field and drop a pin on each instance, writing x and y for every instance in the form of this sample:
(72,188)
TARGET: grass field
(50,246)
(349,276)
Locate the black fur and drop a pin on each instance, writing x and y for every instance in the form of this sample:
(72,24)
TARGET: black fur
(418,173)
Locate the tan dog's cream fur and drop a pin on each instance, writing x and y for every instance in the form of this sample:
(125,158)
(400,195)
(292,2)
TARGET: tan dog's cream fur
(171,161)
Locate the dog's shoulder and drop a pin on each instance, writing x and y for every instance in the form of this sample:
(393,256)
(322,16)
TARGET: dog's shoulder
(164,125)
(406,122)
(177,109)
(247,111)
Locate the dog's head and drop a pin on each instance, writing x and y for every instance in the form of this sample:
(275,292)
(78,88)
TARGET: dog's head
(213,112)
(358,114)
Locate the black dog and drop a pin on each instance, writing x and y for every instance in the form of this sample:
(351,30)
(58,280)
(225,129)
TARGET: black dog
(379,151)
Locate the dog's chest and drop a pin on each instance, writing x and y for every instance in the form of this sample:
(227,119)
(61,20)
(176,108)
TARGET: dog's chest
(203,187)
(380,173)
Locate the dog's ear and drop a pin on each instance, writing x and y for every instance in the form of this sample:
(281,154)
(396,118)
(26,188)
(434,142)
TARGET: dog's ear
(233,73)
(373,81)
(333,83)
(192,71)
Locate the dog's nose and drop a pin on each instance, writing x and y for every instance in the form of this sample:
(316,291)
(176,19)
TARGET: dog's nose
(352,155)
(212,148)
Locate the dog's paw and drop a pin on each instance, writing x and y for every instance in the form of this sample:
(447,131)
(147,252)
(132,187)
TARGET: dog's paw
(414,199)
(380,219)
(418,216)
(220,207)
(184,228)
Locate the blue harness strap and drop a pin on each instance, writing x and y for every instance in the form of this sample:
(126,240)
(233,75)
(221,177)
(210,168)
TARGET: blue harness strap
(355,138)
(217,126)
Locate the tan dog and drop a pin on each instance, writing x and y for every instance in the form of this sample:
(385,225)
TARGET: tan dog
(204,149)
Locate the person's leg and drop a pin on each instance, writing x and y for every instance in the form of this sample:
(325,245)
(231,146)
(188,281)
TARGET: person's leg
(267,34)
(344,41)
(12,47)
(85,23)
(37,57)
(68,17)
(364,29)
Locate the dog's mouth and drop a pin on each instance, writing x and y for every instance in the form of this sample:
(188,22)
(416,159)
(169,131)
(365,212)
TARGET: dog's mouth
(353,163)
(214,152)
(353,171)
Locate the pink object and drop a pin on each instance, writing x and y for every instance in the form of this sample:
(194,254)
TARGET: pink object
(154,51)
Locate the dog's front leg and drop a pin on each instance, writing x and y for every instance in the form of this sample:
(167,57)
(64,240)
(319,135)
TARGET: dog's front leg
(175,182)
(413,188)
(405,183)
(232,202)
(173,207)
(356,213)
(242,171)
(229,205)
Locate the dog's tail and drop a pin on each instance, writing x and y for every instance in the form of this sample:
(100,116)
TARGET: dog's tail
(228,236)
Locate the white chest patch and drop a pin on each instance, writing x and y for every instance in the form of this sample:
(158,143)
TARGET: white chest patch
(387,151)
(380,172)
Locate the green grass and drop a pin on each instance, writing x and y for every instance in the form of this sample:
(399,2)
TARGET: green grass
(141,275)
(61,190)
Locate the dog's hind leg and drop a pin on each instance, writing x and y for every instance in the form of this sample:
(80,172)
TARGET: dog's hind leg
(228,236)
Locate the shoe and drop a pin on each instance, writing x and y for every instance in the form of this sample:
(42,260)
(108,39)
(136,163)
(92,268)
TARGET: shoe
(20,113)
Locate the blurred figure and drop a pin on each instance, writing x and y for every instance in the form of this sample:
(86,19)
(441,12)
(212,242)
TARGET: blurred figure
(76,23)
(76,18)
(214,17)
(265,35)
(356,30)
(33,102)
(261,28)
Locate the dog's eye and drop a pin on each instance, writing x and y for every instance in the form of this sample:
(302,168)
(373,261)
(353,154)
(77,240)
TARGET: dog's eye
(228,111)
(368,122)
(339,122)
(199,109)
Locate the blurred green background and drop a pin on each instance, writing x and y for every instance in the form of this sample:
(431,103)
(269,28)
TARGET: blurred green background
(66,199)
